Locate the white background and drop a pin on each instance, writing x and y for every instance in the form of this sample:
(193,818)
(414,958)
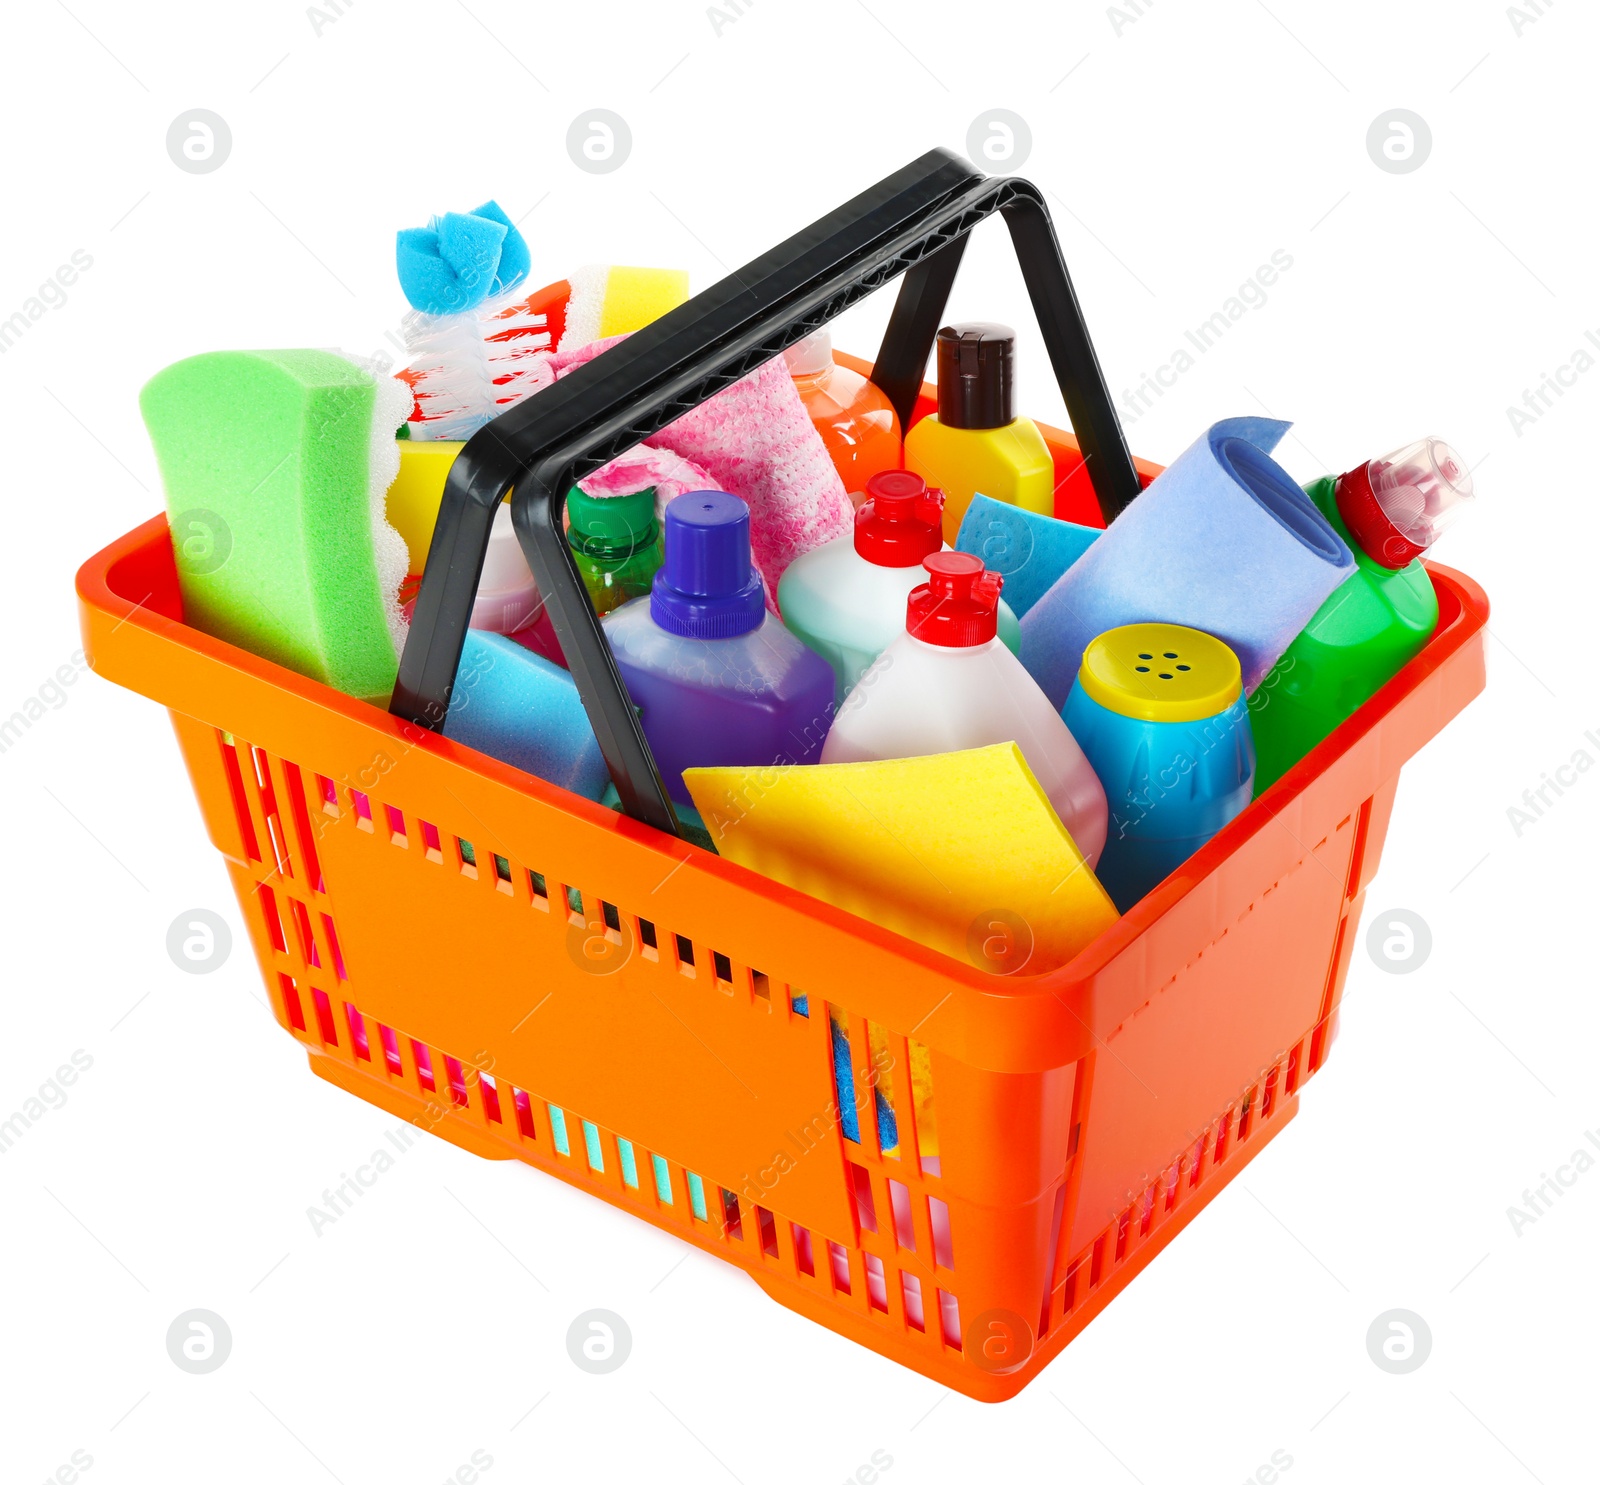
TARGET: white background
(1181,147)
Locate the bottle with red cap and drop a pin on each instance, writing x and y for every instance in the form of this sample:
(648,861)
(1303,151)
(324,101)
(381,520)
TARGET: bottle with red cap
(1390,511)
(847,598)
(948,684)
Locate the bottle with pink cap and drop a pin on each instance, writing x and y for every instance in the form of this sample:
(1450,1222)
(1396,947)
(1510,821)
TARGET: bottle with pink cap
(1390,511)
(948,684)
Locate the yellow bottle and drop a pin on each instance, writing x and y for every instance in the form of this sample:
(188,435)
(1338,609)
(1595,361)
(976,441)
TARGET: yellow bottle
(975,444)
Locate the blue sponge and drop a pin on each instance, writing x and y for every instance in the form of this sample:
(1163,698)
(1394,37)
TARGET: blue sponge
(1223,541)
(518,707)
(1028,550)
(845,1089)
(458,260)
(515,260)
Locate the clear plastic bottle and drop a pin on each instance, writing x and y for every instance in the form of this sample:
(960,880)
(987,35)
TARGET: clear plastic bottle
(948,684)
(847,598)
(855,419)
(716,678)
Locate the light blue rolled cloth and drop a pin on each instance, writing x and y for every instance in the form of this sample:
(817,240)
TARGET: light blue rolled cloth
(1028,550)
(1223,540)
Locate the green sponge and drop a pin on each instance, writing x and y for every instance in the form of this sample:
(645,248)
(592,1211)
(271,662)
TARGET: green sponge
(275,465)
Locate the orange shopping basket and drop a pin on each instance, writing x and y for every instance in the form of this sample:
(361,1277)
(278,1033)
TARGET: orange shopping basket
(533,976)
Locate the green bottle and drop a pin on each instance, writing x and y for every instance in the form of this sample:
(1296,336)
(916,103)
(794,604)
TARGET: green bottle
(1389,512)
(616,542)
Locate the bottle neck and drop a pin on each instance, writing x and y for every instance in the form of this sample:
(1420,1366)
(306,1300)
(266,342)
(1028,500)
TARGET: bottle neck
(608,549)
(959,652)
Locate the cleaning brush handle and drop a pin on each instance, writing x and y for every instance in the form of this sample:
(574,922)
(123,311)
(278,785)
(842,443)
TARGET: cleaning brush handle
(913,222)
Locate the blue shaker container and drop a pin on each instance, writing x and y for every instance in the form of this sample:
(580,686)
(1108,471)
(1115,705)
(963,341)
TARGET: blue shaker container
(1160,712)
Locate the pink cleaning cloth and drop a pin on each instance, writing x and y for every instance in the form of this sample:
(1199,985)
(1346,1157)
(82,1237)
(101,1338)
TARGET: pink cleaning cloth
(755,440)
(671,474)
(644,466)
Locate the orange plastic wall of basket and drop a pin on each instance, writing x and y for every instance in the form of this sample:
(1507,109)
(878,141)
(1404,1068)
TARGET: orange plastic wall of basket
(534,977)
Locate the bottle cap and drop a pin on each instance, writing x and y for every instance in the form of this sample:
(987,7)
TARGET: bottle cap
(609,526)
(899,521)
(959,605)
(1398,506)
(1161,673)
(975,374)
(811,356)
(706,588)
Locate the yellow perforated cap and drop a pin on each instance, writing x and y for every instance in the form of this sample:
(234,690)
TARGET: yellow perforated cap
(1161,673)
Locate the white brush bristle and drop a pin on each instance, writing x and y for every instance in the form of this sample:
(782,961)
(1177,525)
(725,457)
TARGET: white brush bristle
(469,368)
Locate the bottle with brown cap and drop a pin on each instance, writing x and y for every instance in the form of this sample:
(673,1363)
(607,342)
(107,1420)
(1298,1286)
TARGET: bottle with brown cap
(975,443)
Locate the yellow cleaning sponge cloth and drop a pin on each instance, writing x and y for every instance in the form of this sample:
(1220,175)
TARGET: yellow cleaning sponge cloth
(616,300)
(414,498)
(960,852)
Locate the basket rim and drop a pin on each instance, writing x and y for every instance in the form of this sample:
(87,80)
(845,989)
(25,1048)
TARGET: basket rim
(104,596)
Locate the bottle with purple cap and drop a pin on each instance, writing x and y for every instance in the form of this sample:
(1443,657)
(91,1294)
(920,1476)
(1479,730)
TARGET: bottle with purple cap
(716,678)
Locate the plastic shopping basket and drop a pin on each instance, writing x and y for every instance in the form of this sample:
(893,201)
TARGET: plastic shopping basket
(533,976)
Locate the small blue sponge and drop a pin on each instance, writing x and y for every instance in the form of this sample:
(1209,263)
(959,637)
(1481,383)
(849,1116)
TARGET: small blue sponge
(515,260)
(456,261)
(518,707)
(1028,550)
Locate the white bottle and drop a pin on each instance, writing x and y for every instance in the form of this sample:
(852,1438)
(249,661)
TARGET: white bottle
(847,598)
(949,684)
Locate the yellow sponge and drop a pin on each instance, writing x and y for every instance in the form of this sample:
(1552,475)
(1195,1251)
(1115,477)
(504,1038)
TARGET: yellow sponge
(615,300)
(413,499)
(960,852)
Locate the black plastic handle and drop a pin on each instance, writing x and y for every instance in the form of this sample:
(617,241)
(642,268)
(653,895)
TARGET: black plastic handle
(913,222)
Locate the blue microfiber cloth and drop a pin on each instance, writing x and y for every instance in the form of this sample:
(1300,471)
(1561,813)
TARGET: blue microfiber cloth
(1223,540)
(460,259)
(1028,550)
(518,707)
(845,1090)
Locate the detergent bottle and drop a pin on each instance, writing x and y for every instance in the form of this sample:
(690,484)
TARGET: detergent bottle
(948,684)
(1389,512)
(716,678)
(847,598)
(855,419)
(616,543)
(976,444)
